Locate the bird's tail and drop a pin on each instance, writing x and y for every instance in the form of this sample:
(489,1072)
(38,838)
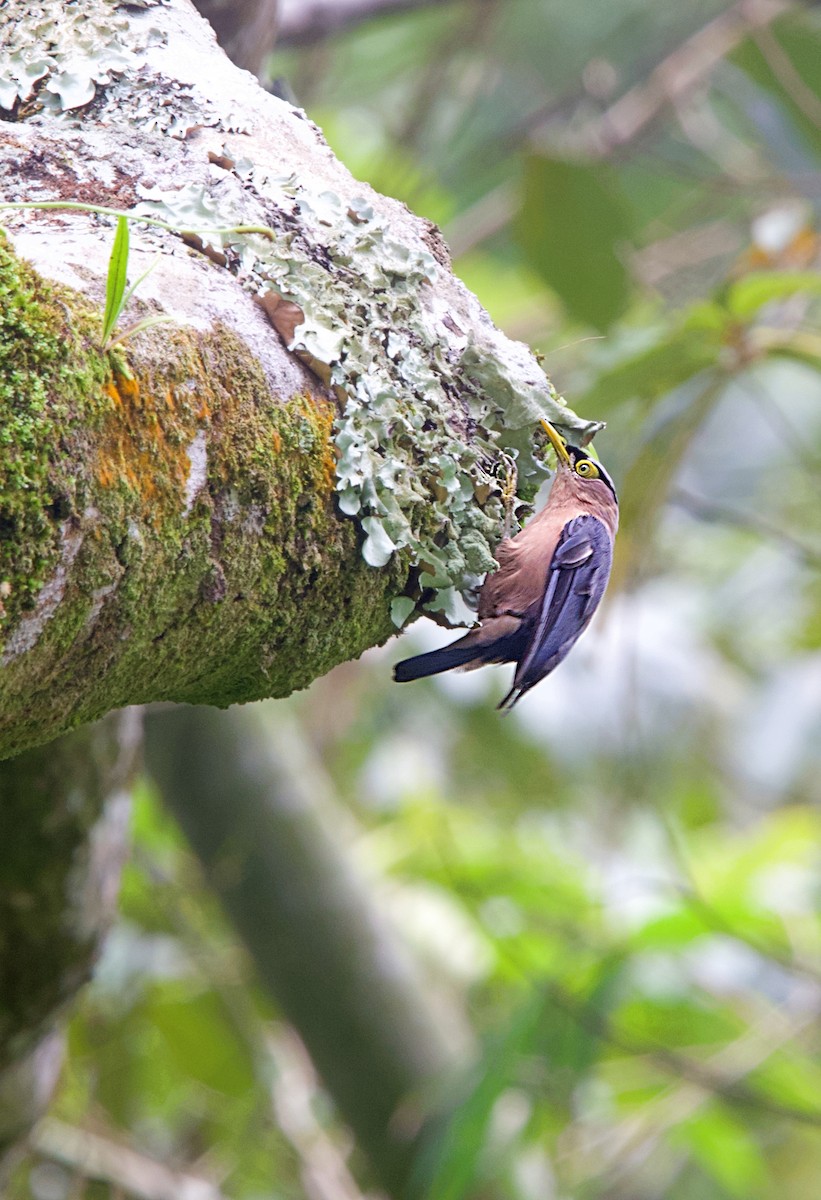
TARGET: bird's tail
(435,661)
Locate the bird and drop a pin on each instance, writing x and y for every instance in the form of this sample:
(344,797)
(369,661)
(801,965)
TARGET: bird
(551,578)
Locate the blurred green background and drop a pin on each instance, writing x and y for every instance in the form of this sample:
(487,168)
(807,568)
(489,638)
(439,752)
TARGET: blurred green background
(611,900)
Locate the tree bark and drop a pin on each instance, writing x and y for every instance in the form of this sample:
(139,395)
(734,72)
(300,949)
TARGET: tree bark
(64,820)
(246,29)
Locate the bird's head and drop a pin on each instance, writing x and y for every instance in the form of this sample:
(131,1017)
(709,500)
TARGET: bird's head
(590,481)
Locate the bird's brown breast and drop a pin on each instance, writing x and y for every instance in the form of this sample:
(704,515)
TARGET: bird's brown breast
(524,560)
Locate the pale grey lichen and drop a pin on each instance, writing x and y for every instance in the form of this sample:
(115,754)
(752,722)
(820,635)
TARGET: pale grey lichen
(89,60)
(66,54)
(156,105)
(28,630)
(198,470)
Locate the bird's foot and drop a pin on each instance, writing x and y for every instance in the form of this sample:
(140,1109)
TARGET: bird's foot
(509,485)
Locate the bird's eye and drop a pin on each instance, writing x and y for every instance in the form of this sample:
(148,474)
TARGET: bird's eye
(587,469)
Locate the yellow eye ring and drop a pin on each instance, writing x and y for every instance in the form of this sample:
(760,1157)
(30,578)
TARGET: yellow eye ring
(587,469)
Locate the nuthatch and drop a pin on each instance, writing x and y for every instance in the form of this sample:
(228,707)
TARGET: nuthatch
(550,580)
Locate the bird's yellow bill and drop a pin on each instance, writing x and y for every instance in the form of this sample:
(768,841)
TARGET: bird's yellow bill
(556,441)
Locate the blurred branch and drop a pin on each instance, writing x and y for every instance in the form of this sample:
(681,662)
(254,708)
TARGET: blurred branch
(283,1070)
(713,139)
(650,476)
(246,29)
(481,220)
(781,65)
(679,73)
(634,1138)
(325,1175)
(304,22)
(670,81)
(95,1157)
(717,239)
(475,26)
(780,418)
(319,945)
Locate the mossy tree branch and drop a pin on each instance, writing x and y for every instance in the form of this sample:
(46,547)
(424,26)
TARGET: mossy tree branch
(186,518)
(168,528)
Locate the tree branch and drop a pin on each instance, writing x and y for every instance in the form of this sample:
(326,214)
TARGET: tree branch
(93,1156)
(304,22)
(317,941)
(65,832)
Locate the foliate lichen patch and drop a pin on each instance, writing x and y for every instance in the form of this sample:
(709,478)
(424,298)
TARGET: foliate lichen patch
(65,52)
(159,105)
(75,61)
(424,449)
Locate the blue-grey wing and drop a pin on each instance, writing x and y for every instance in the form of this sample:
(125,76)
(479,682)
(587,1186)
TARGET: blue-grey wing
(576,580)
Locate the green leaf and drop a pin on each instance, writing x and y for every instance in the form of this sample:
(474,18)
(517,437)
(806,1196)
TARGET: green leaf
(674,1022)
(200,1040)
(545,1027)
(116,281)
(748,295)
(568,1037)
(145,323)
(654,370)
(726,1150)
(138,281)
(674,929)
(791,1077)
(569,226)
(446,1169)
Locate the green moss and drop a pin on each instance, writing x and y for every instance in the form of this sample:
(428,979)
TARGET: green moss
(49,382)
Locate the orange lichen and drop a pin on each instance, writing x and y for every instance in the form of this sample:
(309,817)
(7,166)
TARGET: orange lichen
(143,446)
(324,414)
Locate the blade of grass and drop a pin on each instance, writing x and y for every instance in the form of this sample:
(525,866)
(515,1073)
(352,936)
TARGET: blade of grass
(116,281)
